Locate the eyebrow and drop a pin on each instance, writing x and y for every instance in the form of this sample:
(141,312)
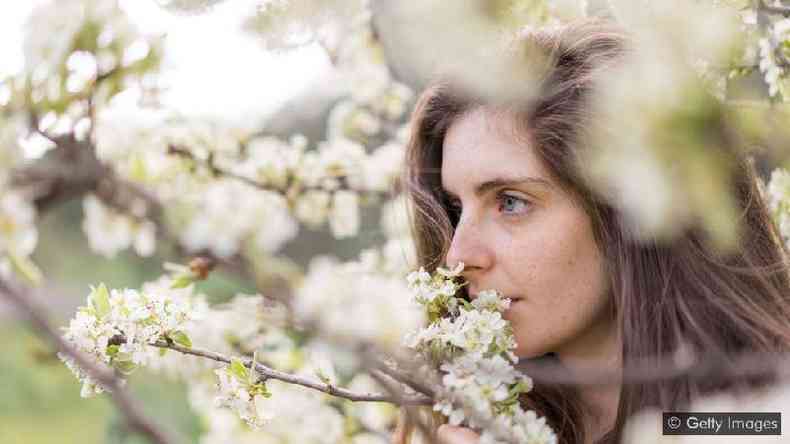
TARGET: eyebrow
(497,182)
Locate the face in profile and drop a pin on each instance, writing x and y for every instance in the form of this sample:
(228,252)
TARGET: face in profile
(519,233)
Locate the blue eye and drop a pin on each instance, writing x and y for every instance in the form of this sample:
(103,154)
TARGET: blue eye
(511,204)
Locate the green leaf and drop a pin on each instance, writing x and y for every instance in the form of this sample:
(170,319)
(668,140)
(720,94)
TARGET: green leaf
(25,267)
(112,350)
(518,388)
(138,171)
(260,389)
(100,299)
(324,378)
(122,357)
(162,351)
(182,281)
(238,369)
(514,392)
(125,367)
(180,338)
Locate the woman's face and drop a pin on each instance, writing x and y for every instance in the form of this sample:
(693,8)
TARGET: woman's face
(520,234)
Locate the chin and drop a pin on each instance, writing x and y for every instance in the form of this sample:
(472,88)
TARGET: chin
(530,354)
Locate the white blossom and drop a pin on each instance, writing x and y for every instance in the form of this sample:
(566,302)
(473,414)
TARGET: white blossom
(383,167)
(130,138)
(349,120)
(491,301)
(270,161)
(187,6)
(333,293)
(239,391)
(55,72)
(282,24)
(230,212)
(11,129)
(312,207)
(395,101)
(361,66)
(567,10)
(368,438)
(18,234)
(333,159)
(769,67)
(344,214)
(110,231)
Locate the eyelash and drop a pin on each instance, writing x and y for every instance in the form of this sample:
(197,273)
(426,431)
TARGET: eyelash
(455,208)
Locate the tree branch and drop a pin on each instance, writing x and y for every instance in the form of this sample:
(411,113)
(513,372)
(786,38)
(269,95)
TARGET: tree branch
(133,415)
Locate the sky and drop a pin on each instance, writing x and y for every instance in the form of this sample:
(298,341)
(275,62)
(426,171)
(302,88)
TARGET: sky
(212,67)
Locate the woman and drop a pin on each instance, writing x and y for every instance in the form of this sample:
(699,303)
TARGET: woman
(496,187)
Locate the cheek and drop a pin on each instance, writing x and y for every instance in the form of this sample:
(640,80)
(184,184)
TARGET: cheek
(558,269)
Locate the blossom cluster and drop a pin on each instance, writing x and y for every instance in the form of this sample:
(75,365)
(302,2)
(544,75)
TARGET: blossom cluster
(241,391)
(284,182)
(18,234)
(472,346)
(229,212)
(777,196)
(117,327)
(91,44)
(334,292)
(774,56)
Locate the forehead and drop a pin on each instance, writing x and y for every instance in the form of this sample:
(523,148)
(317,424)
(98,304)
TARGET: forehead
(482,145)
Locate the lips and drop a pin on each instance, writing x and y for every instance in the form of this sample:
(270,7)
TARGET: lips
(473,296)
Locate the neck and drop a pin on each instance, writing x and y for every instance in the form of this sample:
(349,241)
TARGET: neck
(600,350)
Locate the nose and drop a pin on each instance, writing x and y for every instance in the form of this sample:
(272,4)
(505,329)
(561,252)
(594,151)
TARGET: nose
(470,246)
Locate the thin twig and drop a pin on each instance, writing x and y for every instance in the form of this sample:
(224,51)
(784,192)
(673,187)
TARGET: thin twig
(285,191)
(424,428)
(133,415)
(271,373)
(406,379)
(741,365)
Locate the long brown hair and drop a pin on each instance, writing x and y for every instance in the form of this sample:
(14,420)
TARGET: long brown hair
(664,295)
